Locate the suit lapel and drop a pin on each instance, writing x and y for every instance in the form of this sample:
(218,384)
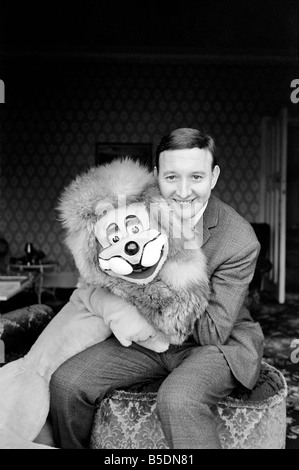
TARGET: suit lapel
(209,219)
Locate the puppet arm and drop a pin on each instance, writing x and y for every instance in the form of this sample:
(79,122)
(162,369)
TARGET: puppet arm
(174,301)
(125,322)
(24,383)
(171,312)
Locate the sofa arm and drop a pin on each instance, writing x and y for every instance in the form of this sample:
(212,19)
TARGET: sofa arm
(20,328)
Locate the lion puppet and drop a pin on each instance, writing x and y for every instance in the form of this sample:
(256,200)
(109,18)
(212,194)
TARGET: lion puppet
(140,279)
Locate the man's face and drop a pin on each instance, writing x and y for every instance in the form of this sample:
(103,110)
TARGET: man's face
(186,179)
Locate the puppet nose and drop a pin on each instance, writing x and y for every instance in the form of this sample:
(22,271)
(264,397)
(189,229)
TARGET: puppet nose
(131,248)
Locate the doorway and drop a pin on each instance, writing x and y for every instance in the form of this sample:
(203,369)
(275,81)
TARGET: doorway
(273,192)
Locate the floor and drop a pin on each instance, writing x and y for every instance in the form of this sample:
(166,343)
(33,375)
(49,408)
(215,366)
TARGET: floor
(280,324)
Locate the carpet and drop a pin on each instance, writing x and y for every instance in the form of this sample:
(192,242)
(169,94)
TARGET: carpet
(280,324)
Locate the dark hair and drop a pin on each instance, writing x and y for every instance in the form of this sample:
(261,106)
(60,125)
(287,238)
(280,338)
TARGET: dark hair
(186,138)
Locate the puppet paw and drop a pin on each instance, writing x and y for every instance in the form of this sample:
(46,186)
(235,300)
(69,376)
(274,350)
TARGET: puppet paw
(157,343)
(24,403)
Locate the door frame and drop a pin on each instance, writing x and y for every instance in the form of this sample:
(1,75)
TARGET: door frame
(273,193)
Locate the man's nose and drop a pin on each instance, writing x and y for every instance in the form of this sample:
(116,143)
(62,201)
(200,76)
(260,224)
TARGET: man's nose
(184,189)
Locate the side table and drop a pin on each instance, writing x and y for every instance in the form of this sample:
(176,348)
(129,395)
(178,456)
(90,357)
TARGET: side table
(40,269)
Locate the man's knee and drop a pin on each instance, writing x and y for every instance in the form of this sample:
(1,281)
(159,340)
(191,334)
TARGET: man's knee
(183,397)
(176,399)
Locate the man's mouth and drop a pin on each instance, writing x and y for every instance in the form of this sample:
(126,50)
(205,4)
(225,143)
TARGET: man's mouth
(184,202)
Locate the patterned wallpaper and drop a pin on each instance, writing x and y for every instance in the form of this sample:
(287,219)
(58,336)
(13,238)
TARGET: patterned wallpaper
(55,112)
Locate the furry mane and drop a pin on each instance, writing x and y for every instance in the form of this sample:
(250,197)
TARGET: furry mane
(77,208)
(102,183)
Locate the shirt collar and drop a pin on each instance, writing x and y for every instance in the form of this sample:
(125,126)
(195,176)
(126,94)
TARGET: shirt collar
(199,215)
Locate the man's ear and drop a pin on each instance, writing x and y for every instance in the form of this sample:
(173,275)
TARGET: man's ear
(155,171)
(215,175)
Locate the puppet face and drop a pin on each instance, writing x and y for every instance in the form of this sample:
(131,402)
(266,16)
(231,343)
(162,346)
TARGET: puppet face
(127,246)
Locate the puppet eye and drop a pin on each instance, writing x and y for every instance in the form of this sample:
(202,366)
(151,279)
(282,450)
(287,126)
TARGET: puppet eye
(113,234)
(133,225)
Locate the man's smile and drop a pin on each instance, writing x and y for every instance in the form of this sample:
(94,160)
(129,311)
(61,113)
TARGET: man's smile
(185,201)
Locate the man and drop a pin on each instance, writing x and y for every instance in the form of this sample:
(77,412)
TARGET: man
(226,347)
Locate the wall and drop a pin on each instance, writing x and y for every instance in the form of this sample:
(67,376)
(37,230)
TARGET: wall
(56,111)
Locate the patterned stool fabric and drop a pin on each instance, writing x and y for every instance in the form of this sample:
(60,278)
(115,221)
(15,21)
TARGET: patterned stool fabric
(245,420)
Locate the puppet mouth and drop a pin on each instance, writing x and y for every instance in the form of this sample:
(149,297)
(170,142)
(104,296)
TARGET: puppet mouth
(141,272)
(140,267)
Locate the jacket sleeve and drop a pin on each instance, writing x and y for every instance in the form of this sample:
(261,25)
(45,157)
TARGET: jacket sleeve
(229,286)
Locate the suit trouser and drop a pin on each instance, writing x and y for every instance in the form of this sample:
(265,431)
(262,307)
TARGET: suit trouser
(195,378)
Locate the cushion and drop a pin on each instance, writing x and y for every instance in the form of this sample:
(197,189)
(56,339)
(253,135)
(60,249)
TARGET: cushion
(245,420)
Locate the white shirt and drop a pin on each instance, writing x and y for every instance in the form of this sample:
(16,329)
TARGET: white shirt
(199,214)
(194,237)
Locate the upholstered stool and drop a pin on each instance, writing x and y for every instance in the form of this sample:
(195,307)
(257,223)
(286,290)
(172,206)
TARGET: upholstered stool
(245,420)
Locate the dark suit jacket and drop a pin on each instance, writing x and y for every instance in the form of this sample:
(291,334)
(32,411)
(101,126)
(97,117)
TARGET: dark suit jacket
(231,248)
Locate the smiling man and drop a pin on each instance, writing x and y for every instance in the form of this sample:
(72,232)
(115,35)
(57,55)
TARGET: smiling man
(226,347)
(186,178)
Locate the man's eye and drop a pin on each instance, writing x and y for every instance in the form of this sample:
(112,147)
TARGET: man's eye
(170,177)
(197,177)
